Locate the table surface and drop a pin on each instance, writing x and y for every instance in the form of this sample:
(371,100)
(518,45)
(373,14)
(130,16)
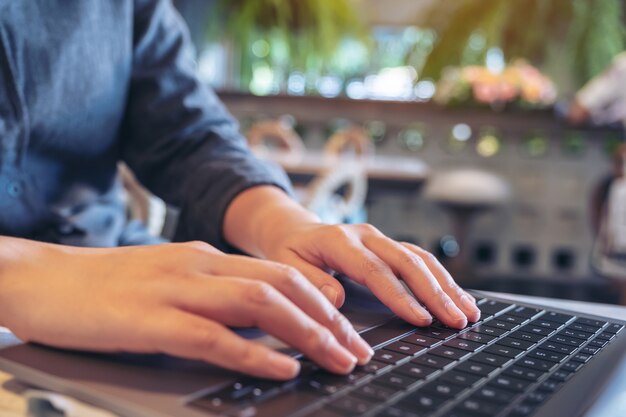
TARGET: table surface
(12,403)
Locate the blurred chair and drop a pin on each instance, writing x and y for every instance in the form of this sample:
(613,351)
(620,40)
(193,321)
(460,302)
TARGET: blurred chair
(464,194)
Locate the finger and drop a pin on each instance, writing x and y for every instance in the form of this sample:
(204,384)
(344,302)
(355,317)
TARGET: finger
(358,262)
(414,271)
(249,303)
(184,334)
(462,299)
(297,288)
(326,283)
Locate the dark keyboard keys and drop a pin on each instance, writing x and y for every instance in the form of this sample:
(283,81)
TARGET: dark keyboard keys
(599,343)
(490,359)
(373,367)
(449,353)
(493,307)
(540,322)
(506,351)
(406,348)
(388,331)
(489,331)
(581,357)
(435,333)
(388,356)
(576,333)
(420,340)
(396,412)
(515,343)
(557,347)
(496,395)
(533,363)
(582,327)
(589,350)
(541,331)
(566,340)
(460,378)
(523,373)
(510,383)
(591,322)
(476,337)
(530,337)
(350,405)
(614,328)
(463,344)
(432,361)
(394,380)
(509,318)
(476,368)
(550,385)
(525,312)
(475,406)
(502,325)
(416,371)
(375,392)
(557,317)
(421,400)
(547,355)
(571,366)
(605,336)
(442,388)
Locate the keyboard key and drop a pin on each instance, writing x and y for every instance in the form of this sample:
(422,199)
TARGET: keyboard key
(373,367)
(557,347)
(388,331)
(614,328)
(506,351)
(460,378)
(530,337)
(442,389)
(571,366)
(435,332)
(350,405)
(374,392)
(493,307)
(476,368)
(394,380)
(557,317)
(523,409)
(448,352)
(591,322)
(549,385)
(537,397)
(500,325)
(582,328)
(515,343)
(463,344)
(542,331)
(285,403)
(402,347)
(599,343)
(540,322)
(523,373)
(496,395)
(605,336)
(510,383)
(476,337)
(420,340)
(576,333)
(420,400)
(475,406)
(566,340)
(509,318)
(415,371)
(490,331)
(388,356)
(547,355)
(561,375)
(533,363)
(589,350)
(396,412)
(490,359)
(432,361)
(525,312)
(581,357)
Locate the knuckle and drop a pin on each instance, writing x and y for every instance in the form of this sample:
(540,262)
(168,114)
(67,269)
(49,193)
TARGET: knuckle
(340,323)
(260,293)
(204,340)
(368,228)
(319,338)
(371,266)
(412,260)
(340,233)
(289,275)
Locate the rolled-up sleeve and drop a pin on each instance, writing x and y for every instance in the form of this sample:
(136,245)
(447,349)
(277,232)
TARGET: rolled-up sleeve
(177,137)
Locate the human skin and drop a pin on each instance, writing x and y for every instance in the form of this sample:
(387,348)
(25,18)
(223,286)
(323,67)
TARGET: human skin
(181,298)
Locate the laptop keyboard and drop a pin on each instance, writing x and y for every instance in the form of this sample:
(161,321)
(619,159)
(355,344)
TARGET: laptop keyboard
(507,364)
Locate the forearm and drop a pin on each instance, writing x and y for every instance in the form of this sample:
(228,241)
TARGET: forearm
(259,216)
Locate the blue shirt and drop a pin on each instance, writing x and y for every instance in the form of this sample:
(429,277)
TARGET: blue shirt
(85,84)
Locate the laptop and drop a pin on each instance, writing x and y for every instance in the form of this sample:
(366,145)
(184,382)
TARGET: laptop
(519,360)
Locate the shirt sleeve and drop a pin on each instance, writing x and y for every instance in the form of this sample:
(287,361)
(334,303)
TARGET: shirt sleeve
(177,137)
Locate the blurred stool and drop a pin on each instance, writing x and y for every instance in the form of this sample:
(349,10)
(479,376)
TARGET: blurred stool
(464,194)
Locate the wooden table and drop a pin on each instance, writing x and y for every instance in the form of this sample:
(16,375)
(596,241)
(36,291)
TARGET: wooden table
(13,405)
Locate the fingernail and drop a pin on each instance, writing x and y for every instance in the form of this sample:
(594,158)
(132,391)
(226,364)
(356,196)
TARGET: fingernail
(330,293)
(454,312)
(284,367)
(363,351)
(343,359)
(423,318)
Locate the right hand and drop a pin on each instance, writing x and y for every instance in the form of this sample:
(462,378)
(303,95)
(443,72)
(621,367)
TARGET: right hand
(172,298)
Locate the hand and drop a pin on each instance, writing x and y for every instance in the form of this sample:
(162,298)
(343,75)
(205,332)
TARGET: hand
(171,298)
(370,258)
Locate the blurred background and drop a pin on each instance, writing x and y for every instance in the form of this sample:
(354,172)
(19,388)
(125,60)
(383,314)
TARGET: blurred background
(457,125)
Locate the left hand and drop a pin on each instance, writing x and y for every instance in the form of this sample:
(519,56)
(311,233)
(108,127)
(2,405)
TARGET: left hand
(372,259)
